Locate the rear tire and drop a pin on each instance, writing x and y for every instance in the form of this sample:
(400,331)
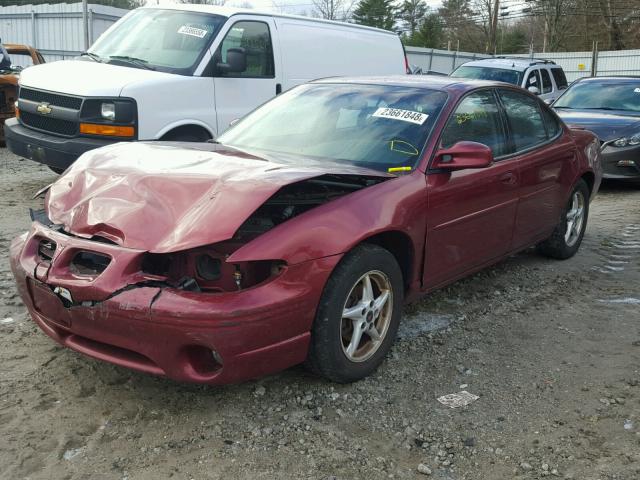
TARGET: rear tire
(358,316)
(565,240)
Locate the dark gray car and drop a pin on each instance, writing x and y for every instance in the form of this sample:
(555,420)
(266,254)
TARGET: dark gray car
(610,108)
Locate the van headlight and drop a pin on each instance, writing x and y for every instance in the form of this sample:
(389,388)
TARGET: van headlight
(108,111)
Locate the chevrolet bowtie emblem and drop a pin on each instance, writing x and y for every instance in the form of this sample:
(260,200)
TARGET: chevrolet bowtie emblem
(44,109)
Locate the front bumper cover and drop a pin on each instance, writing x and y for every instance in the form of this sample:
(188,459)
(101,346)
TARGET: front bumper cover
(612,155)
(50,150)
(167,331)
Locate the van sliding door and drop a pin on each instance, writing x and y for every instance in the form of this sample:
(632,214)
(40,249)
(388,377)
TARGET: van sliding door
(237,93)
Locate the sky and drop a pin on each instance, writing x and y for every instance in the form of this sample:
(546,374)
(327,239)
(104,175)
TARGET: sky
(282,6)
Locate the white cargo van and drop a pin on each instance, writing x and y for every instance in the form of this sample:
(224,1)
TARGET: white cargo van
(183,72)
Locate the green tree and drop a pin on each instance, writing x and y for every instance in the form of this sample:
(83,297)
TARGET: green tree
(430,34)
(512,40)
(129,4)
(412,13)
(376,13)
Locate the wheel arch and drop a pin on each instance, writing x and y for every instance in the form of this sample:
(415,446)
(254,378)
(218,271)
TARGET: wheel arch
(185,127)
(590,179)
(400,245)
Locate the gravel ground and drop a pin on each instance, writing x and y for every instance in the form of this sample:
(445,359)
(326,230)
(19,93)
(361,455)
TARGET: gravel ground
(551,348)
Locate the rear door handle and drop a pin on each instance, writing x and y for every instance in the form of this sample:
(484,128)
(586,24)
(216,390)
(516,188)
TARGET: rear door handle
(278,88)
(508,178)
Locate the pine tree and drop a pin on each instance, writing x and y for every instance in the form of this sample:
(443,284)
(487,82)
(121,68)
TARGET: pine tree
(412,12)
(376,13)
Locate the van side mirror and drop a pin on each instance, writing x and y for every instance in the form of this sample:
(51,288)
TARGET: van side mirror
(236,61)
(463,155)
(534,90)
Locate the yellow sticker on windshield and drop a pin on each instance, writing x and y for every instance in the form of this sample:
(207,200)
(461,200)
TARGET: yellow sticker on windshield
(399,114)
(398,169)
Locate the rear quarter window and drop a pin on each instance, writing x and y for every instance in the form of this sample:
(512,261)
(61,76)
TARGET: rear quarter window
(551,122)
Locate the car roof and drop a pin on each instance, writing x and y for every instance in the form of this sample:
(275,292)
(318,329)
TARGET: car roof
(230,11)
(511,63)
(435,82)
(630,78)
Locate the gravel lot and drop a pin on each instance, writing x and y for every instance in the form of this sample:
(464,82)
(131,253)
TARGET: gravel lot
(551,348)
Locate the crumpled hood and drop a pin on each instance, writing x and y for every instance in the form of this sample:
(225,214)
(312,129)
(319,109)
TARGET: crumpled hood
(86,78)
(164,197)
(606,125)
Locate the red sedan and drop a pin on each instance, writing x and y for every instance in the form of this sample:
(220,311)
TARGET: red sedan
(300,233)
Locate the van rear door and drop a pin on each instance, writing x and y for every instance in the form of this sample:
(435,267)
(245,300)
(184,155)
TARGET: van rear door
(237,93)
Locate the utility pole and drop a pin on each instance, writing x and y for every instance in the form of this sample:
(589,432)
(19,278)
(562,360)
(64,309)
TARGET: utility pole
(85,23)
(494,27)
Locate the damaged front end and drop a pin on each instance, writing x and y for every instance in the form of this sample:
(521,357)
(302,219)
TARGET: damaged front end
(190,314)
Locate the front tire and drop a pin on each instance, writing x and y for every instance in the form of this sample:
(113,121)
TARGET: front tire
(358,315)
(565,240)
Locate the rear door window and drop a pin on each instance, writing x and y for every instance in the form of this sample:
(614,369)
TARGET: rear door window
(525,120)
(477,119)
(560,78)
(547,86)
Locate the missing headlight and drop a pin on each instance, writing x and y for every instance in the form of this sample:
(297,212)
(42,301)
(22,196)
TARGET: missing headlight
(207,267)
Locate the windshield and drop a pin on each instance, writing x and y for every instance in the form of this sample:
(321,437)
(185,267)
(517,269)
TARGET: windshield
(488,73)
(165,40)
(605,95)
(373,126)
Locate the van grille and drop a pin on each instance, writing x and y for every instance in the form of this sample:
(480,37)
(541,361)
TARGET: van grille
(66,101)
(49,124)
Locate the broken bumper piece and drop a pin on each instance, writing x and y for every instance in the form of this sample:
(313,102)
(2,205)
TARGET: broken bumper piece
(114,314)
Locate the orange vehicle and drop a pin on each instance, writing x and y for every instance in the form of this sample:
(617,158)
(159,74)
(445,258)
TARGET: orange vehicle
(21,56)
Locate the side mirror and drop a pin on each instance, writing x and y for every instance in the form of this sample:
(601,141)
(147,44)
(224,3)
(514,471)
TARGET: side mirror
(463,155)
(236,61)
(534,90)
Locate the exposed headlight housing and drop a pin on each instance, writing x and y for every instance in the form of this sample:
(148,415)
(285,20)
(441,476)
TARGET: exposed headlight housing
(627,141)
(108,111)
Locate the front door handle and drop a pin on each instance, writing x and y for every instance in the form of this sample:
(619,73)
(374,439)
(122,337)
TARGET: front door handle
(508,178)
(278,88)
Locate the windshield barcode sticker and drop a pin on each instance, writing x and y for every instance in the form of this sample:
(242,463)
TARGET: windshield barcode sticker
(193,31)
(404,115)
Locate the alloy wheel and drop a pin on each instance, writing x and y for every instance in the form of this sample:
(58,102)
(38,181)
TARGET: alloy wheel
(366,316)
(575,218)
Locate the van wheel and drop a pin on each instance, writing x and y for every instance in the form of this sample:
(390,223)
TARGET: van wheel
(565,240)
(358,315)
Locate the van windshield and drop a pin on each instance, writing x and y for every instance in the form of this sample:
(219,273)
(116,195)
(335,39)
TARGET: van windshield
(170,41)
(382,127)
(488,73)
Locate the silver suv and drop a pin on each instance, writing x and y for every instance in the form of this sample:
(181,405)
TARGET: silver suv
(542,77)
